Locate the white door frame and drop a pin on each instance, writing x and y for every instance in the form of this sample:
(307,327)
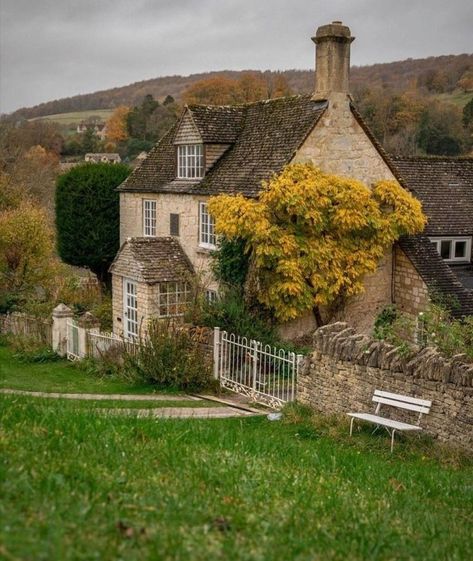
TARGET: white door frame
(130,308)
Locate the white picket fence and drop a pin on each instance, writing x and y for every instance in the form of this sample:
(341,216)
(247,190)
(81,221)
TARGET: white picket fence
(264,373)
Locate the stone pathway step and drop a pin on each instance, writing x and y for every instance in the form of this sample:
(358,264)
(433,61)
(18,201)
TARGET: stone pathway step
(162,412)
(181,412)
(100,397)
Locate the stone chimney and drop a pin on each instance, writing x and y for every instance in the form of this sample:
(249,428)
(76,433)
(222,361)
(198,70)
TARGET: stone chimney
(332,60)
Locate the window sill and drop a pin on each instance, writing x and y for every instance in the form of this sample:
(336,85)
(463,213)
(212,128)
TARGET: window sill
(205,250)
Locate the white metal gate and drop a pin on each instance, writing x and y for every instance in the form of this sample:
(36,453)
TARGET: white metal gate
(266,374)
(72,341)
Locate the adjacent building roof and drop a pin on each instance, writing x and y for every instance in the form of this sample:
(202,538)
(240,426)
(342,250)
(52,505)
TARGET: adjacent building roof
(263,137)
(445,188)
(437,275)
(152,260)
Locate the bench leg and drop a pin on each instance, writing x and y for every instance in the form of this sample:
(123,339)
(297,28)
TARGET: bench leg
(392,440)
(351,426)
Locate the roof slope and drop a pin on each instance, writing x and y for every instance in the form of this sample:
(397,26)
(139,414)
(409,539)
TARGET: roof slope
(152,260)
(219,124)
(437,275)
(445,188)
(264,136)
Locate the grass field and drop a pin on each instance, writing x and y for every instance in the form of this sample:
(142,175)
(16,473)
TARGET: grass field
(79,486)
(457,97)
(76,117)
(61,376)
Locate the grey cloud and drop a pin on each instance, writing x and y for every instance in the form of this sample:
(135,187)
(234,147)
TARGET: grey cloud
(52,48)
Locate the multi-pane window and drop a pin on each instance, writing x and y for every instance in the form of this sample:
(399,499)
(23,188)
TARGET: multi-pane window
(173,298)
(211,296)
(190,161)
(149,218)
(453,249)
(174,224)
(207,237)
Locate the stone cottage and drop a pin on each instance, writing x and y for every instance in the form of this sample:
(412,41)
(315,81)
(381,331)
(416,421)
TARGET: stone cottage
(222,149)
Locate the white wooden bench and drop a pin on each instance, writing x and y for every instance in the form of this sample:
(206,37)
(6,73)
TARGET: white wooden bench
(421,406)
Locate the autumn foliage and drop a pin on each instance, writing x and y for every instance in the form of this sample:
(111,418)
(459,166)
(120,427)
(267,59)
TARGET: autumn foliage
(312,236)
(249,87)
(116,125)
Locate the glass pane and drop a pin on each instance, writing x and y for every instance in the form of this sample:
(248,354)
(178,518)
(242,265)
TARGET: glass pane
(460,249)
(445,246)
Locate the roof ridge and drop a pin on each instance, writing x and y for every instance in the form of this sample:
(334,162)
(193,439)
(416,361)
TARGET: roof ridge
(250,103)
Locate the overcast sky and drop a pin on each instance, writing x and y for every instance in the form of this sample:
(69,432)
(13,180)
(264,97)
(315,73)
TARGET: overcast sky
(56,48)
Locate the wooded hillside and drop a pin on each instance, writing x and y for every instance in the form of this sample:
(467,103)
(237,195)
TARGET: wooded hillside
(433,75)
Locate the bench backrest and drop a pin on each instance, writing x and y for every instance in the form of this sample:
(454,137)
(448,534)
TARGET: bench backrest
(421,406)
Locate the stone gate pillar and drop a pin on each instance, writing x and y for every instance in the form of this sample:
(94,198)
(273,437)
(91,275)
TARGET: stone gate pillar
(61,315)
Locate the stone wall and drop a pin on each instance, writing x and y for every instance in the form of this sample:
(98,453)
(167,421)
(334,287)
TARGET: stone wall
(411,294)
(187,207)
(345,368)
(339,145)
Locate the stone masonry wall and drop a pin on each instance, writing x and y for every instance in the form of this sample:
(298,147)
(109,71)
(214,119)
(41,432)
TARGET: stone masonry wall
(411,294)
(187,206)
(345,368)
(339,145)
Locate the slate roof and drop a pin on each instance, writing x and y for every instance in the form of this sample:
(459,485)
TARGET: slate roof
(445,188)
(152,260)
(437,275)
(218,124)
(264,137)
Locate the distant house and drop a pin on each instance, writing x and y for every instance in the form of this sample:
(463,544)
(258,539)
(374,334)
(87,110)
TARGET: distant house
(445,188)
(167,233)
(99,128)
(111,158)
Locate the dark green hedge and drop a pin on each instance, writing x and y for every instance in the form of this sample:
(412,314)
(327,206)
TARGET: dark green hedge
(87,215)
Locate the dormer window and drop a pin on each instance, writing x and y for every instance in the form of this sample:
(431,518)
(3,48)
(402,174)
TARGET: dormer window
(190,161)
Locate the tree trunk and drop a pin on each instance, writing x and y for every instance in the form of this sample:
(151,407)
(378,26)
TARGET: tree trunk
(317,316)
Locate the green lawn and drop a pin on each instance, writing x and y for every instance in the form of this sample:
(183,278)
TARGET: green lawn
(61,376)
(458,98)
(75,485)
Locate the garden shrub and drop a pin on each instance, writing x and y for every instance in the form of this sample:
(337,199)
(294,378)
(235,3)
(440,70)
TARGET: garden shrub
(170,358)
(30,349)
(436,327)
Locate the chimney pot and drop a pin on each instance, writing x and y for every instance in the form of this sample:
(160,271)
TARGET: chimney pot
(332,55)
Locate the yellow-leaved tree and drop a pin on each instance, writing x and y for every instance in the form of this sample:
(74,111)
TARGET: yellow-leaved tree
(27,258)
(313,236)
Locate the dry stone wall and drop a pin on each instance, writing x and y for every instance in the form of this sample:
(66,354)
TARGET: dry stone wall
(345,368)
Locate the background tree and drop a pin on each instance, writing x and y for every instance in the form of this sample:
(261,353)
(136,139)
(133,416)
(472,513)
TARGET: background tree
(441,130)
(116,125)
(26,253)
(467,116)
(87,215)
(312,237)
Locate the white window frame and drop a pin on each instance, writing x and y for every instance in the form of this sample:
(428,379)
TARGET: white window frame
(149,218)
(437,241)
(207,236)
(190,161)
(173,298)
(130,309)
(211,296)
